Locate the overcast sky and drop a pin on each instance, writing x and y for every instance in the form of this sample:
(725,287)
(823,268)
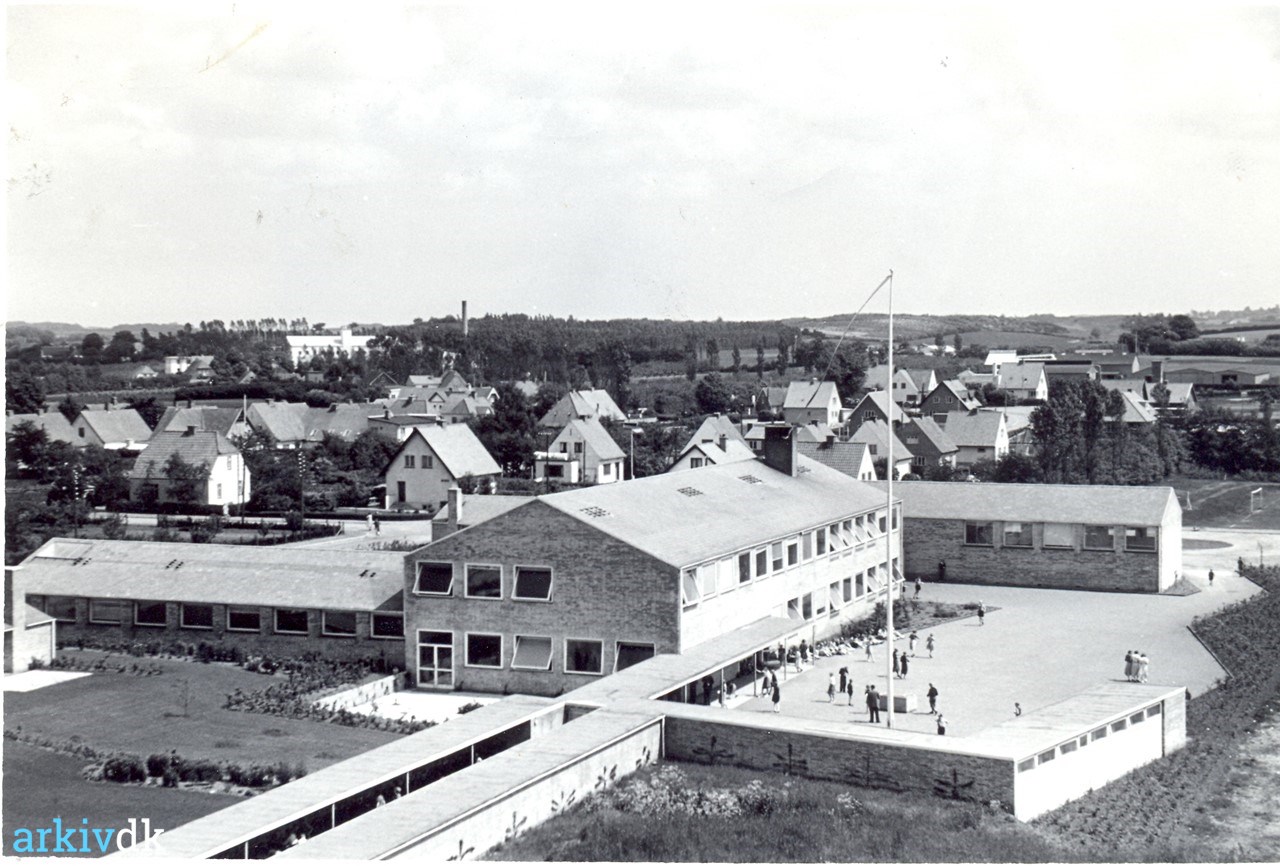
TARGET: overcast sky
(377,163)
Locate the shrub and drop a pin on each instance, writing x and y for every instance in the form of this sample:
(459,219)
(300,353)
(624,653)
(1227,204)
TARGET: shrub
(200,770)
(157,764)
(124,768)
(468,707)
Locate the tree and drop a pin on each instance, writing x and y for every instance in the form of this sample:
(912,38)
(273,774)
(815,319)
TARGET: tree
(1184,327)
(510,433)
(91,348)
(28,445)
(958,343)
(760,359)
(70,408)
(149,408)
(712,395)
(23,394)
(713,353)
(186,480)
(784,351)
(737,359)
(1015,468)
(120,348)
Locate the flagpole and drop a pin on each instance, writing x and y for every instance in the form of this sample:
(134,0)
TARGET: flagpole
(888,544)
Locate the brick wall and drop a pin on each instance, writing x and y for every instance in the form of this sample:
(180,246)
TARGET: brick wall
(602,589)
(927,541)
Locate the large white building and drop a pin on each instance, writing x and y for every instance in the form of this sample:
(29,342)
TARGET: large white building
(303,348)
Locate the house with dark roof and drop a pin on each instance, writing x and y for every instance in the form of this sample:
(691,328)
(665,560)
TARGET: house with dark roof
(285,423)
(806,402)
(929,444)
(225,477)
(876,406)
(230,422)
(1061,536)
(951,395)
(575,585)
(1072,370)
(344,420)
(980,435)
(115,428)
(276,600)
(582,453)
(433,459)
(876,435)
(54,424)
(595,403)
(851,458)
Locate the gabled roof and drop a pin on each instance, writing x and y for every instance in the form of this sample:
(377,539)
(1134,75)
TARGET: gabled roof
(54,424)
(976,429)
(812,432)
(923,379)
(1180,393)
(774,396)
(734,451)
(845,457)
(957,389)
(116,425)
(479,508)
(684,518)
(1048,503)
(218,574)
(877,433)
(810,395)
(594,437)
(1136,409)
(345,420)
(929,429)
(884,403)
(200,417)
(455,446)
(595,403)
(1017,417)
(471,407)
(1023,377)
(201,448)
(712,428)
(1137,386)
(284,422)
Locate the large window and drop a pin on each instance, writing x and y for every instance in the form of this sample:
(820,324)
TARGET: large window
(793,553)
(484,581)
(1140,538)
(978,533)
(775,555)
(484,650)
(806,543)
(1060,535)
(244,619)
(387,626)
(532,653)
(532,584)
(1017,535)
(291,621)
(1099,538)
(104,611)
(434,578)
(150,613)
(689,587)
(807,605)
(762,563)
(628,654)
(338,623)
(744,568)
(821,539)
(197,616)
(60,607)
(583,656)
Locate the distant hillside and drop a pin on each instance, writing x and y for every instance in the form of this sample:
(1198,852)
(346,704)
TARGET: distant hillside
(70,330)
(988,330)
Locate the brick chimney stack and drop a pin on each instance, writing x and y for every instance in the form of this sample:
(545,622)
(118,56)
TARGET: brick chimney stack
(779,451)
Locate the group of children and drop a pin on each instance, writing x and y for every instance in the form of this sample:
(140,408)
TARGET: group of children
(1136,666)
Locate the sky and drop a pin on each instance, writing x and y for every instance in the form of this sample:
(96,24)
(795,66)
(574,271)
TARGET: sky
(381,162)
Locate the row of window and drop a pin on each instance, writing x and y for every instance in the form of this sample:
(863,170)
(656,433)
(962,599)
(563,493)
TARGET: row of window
(713,578)
(529,652)
(423,461)
(155,614)
(1096,537)
(1085,739)
(530,583)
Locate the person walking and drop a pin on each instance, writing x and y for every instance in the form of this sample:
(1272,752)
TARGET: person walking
(849,690)
(377,525)
(897,666)
(942,726)
(982,614)
(831,688)
(1211,578)
(932,695)
(777,696)
(1144,665)
(903,661)
(844,679)
(919,585)
(804,653)
(368,523)
(873,705)
(911,642)
(942,570)
(870,657)
(929,645)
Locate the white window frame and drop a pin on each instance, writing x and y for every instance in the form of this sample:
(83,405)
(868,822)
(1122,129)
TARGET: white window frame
(551,652)
(324,624)
(1151,532)
(120,604)
(466,650)
(466,580)
(417,578)
(256,611)
(373,630)
(690,591)
(1023,529)
(164,624)
(275,620)
(568,658)
(515,584)
(1046,544)
(617,651)
(182,616)
(991,527)
(1111,533)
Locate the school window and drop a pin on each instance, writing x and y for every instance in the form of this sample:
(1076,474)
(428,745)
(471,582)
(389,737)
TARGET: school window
(860,584)
(1046,757)
(484,581)
(834,596)
(532,653)
(1099,538)
(881,520)
(762,563)
(532,583)
(821,540)
(1137,717)
(775,555)
(408,461)
(847,585)
(434,578)
(707,579)
(807,605)
(338,623)
(806,545)
(1017,535)
(793,553)
(1153,710)
(244,619)
(387,626)
(150,613)
(837,538)
(1067,748)
(628,654)
(106,611)
(793,609)
(583,656)
(689,587)
(978,533)
(197,616)
(1083,741)
(1140,538)
(484,650)
(1116,727)
(744,568)
(895,518)
(1059,535)
(290,621)
(1028,764)
(1098,733)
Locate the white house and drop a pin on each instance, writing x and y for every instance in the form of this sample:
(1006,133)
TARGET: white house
(698,454)
(583,441)
(595,403)
(304,347)
(981,435)
(226,481)
(433,459)
(1023,381)
(812,401)
(112,428)
(875,435)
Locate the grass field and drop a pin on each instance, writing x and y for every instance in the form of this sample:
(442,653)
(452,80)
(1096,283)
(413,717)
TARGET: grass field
(1225,504)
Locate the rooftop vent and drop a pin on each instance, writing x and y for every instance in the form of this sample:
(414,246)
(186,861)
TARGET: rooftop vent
(594,511)
(750,479)
(690,491)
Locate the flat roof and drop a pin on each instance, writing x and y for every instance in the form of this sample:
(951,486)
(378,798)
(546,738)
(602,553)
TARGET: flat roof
(1047,503)
(204,837)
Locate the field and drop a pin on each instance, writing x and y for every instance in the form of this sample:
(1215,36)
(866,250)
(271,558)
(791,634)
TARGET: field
(1225,504)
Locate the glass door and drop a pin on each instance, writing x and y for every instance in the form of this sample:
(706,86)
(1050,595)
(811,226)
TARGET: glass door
(435,659)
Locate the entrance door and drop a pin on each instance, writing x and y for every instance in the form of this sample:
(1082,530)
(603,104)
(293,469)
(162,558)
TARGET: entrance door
(399,491)
(435,659)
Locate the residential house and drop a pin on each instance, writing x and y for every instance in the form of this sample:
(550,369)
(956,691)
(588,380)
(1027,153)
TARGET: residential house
(226,479)
(714,428)
(1137,410)
(875,435)
(951,395)
(981,435)
(1023,381)
(344,420)
(595,403)
(976,383)
(876,406)
(113,427)
(851,458)
(199,366)
(583,441)
(433,459)
(812,401)
(54,424)
(929,444)
(579,584)
(1079,370)
(1017,421)
(465,407)
(230,422)
(698,453)
(304,347)
(398,427)
(909,386)
(1179,397)
(285,423)
(812,432)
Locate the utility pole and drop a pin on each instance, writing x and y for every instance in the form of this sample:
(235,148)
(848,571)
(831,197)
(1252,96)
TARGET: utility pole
(888,542)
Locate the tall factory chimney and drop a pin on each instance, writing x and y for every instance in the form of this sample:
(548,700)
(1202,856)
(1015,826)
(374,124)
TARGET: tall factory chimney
(464,318)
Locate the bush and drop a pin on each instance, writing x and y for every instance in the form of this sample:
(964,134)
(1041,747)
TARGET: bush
(200,770)
(157,765)
(124,768)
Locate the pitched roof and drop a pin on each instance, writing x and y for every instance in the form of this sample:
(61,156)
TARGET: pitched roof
(810,395)
(200,448)
(877,433)
(811,432)
(595,438)
(200,417)
(595,403)
(218,574)
(1024,377)
(456,447)
(929,429)
(1048,503)
(1180,393)
(116,425)
(684,518)
(284,422)
(54,424)
(884,403)
(974,430)
(734,451)
(479,508)
(1136,409)
(345,420)
(712,428)
(845,457)
(775,396)
(1017,418)
(922,378)
(471,407)
(1138,386)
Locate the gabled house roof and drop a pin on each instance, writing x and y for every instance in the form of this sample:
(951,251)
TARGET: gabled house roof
(975,429)
(956,388)
(883,402)
(877,433)
(774,397)
(1136,409)
(810,395)
(928,429)
(455,446)
(811,432)
(1026,376)
(197,448)
(1180,393)
(595,403)
(594,437)
(471,407)
(54,424)
(345,420)
(844,457)
(712,428)
(734,451)
(1035,503)
(115,425)
(924,380)
(283,422)
(201,417)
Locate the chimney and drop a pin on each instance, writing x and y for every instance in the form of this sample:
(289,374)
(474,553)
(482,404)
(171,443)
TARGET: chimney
(1157,371)
(724,440)
(779,448)
(191,430)
(455,509)
(464,318)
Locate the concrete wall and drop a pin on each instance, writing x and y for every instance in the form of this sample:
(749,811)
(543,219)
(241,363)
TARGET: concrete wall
(929,540)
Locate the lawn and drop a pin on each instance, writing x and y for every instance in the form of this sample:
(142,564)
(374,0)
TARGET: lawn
(40,785)
(1225,504)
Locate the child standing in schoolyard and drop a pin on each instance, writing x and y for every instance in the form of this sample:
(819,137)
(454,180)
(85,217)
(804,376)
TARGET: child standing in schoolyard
(777,696)
(831,688)
(929,645)
(982,614)
(942,726)
(911,642)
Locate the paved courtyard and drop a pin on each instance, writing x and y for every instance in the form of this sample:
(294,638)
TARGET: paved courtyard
(1040,646)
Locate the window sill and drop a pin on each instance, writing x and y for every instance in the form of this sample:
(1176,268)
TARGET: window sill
(331,634)
(196,627)
(292,633)
(585,673)
(151,625)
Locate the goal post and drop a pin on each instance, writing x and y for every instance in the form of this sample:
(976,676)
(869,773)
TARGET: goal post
(1255,500)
